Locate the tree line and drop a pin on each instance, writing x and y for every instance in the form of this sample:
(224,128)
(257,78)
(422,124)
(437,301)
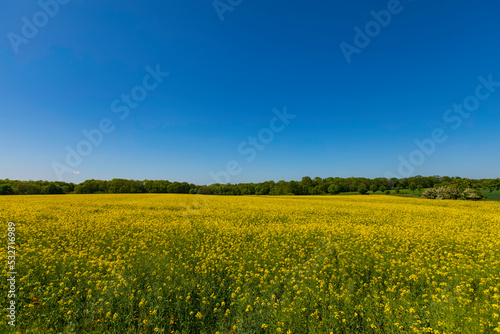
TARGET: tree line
(306,186)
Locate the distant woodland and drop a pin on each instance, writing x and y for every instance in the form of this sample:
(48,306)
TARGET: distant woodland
(306,186)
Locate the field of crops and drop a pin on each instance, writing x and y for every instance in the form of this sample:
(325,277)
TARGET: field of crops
(203,264)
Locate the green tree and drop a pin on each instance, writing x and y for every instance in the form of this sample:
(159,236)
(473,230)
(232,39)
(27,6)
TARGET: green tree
(316,190)
(126,187)
(264,188)
(52,188)
(334,189)
(33,188)
(413,187)
(374,188)
(6,189)
(279,188)
(294,188)
(489,184)
(362,189)
(175,188)
(137,187)
(307,184)
(462,183)
(205,190)
(247,188)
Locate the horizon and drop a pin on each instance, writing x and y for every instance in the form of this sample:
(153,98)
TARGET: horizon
(255,182)
(248,92)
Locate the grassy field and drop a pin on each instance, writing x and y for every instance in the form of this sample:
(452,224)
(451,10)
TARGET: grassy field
(205,264)
(493,196)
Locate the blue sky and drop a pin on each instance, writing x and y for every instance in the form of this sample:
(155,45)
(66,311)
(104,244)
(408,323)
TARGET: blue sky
(226,77)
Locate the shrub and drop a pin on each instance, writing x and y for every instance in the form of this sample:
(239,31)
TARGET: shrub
(452,192)
(387,192)
(472,194)
(430,193)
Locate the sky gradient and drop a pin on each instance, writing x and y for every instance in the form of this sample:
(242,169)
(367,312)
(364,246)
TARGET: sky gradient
(229,79)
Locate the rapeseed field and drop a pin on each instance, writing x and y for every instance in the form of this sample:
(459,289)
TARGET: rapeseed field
(167,263)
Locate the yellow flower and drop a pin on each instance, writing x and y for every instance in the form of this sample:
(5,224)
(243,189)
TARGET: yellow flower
(279,258)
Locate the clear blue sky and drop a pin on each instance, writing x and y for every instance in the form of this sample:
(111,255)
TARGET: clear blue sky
(226,77)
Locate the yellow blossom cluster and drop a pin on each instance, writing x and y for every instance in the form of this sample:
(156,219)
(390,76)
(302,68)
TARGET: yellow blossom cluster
(172,263)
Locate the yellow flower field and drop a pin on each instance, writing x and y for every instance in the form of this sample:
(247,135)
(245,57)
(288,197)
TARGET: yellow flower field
(167,263)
